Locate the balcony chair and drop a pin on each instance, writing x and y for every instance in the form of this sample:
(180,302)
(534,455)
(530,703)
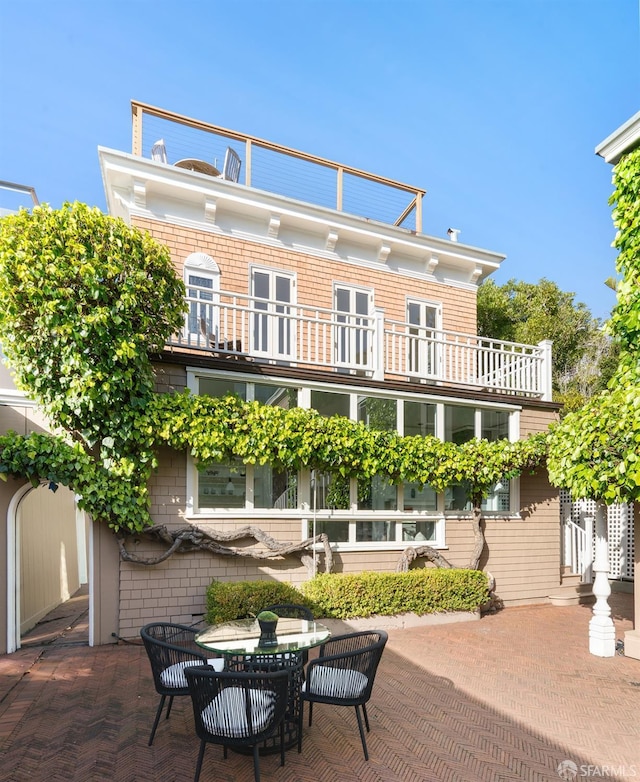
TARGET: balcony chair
(159,152)
(171,648)
(237,709)
(343,675)
(232,164)
(231,347)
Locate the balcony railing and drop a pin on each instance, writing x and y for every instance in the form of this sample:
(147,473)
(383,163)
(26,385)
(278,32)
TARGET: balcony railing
(228,324)
(279,169)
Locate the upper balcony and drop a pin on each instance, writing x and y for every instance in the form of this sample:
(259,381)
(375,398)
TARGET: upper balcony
(234,325)
(287,198)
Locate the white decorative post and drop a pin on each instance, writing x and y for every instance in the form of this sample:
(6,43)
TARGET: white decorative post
(546,369)
(602,633)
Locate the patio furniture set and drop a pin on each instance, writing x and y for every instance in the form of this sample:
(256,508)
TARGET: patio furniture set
(250,696)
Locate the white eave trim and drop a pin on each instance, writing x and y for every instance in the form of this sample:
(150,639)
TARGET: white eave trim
(129,180)
(621,141)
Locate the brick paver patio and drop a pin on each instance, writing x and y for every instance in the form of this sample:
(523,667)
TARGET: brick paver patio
(509,697)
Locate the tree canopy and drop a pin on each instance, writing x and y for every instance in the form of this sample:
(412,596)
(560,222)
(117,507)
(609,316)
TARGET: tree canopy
(85,300)
(584,356)
(595,452)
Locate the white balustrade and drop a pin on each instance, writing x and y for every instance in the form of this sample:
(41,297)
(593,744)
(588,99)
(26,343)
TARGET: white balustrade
(280,332)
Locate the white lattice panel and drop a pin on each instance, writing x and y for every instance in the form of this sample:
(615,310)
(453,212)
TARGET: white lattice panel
(620,526)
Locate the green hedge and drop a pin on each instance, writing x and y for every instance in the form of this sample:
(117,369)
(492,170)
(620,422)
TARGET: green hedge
(421,591)
(228,600)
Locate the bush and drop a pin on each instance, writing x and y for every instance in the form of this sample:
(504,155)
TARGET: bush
(228,600)
(421,591)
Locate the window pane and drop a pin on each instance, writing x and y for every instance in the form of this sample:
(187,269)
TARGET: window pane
(459,424)
(222,486)
(456,498)
(495,424)
(377,413)
(330,491)
(499,498)
(272,489)
(419,530)
(419,419)
(261,285)
(377,494)
(419,498)
(276,396)
(337,531)
(213,386)
(330,404)
(375,531)
(343,300)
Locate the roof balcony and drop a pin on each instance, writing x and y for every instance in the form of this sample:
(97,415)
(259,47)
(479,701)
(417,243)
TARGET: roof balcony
(202,147)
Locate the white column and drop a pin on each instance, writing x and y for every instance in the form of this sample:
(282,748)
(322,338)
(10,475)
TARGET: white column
(602,633)
(546,369)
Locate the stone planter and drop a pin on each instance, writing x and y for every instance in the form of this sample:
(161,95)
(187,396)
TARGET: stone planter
(268,632)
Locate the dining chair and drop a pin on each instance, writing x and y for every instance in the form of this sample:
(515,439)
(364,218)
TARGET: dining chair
(237,709)
(232,164)
(343,675)
(159,152)
(171,648)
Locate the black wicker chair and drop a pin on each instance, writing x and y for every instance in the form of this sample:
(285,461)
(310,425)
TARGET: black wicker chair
(171,648)
(238,709)
(343,675)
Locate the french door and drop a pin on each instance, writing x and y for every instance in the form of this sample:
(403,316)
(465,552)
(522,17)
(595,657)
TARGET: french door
(273,294)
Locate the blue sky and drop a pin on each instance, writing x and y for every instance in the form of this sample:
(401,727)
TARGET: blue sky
(494,106)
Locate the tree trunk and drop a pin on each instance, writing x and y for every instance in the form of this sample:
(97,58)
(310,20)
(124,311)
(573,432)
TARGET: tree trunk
(478,534)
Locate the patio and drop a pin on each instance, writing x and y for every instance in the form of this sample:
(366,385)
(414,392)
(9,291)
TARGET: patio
(506,698)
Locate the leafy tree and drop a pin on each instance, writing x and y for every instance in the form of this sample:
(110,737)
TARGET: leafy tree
(85,300)
(583,355)
(595,452)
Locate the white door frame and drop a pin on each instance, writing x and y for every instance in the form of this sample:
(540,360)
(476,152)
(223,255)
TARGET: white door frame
(13,571)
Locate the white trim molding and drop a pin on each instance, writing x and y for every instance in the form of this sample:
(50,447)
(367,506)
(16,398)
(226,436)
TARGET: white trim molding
(621,141)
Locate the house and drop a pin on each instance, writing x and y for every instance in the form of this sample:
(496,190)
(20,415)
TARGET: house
(314,284)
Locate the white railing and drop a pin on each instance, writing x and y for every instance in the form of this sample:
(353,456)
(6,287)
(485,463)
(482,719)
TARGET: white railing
(288,498)
(578,548)
(233,324)
(449,356)
(278,332)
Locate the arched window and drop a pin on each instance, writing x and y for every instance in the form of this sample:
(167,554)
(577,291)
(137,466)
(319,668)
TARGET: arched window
(202,281)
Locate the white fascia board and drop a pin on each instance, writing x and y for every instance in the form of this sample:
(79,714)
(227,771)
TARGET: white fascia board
(122,172)
(621,141)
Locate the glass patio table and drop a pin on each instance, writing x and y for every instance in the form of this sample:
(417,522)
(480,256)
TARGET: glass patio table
(239,643)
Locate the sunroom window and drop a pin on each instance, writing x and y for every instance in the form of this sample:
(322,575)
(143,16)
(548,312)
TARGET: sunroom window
(354,512)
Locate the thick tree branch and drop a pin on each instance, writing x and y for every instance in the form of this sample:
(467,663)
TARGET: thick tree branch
(426,552)
(193,538)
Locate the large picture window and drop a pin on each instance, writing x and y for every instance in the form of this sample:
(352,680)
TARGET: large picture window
(373,512)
